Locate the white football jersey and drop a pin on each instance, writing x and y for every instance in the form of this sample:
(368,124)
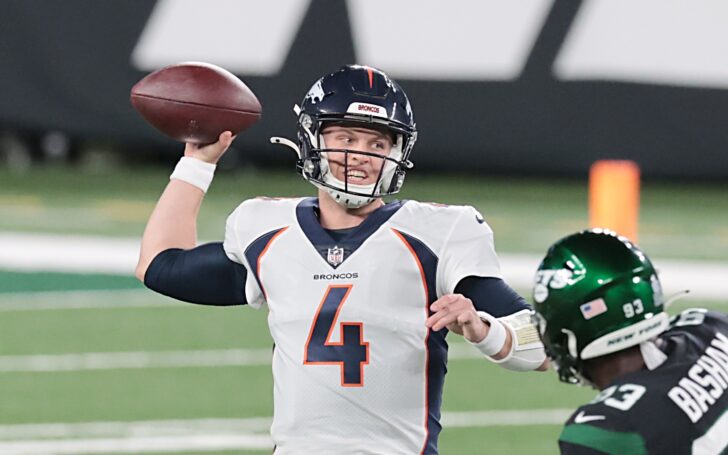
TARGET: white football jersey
(355,369)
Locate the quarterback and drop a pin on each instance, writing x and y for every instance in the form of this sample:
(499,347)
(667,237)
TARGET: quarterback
(662,380)
(360,293)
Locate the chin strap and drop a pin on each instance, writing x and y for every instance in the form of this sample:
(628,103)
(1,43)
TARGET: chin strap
(350,201)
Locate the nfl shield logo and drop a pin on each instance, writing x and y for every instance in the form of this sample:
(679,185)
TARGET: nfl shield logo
(335,256)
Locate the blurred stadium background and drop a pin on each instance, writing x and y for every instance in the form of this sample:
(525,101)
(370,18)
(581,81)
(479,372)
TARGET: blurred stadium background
(514,101)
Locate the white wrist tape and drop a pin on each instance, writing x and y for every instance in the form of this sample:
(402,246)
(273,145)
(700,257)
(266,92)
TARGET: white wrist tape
(527,352)
(195,172)
(496,337)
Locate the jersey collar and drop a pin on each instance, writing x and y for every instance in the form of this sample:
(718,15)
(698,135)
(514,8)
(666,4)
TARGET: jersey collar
(307,215)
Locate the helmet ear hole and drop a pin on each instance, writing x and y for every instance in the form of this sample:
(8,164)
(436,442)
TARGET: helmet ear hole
(311,167)
(397,180)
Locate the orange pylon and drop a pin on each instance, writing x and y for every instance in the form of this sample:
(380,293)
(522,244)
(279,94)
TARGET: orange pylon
(614,196)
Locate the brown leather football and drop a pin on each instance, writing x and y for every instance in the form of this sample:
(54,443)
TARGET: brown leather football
(195,102)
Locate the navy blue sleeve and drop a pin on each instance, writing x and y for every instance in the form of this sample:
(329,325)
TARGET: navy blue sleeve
(203,275)
(491,295)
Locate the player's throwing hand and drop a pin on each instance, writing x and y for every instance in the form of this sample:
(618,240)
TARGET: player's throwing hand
(210,153)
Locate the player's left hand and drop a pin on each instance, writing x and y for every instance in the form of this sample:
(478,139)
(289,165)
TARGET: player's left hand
(457,313)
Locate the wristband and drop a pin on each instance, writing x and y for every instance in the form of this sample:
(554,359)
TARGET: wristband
(496,337)
(195,172)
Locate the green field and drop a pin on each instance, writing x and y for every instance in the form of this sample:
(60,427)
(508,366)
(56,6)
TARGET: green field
(116,316)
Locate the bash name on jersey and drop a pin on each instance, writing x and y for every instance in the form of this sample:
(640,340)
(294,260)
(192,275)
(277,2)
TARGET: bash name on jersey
(355,369)
(678,407)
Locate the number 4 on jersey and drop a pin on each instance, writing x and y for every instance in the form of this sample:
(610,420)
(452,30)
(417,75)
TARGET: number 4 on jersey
(351,352)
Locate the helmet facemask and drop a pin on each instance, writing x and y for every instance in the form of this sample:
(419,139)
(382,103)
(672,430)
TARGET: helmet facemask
(562,350)
(316,165)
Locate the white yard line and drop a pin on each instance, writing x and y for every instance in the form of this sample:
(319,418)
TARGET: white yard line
(704,279)
(85,254)
(98,299)
(84,299)
(68,253)
(48,363)
(138,444)
(204,434)
(134,360)
(140,428)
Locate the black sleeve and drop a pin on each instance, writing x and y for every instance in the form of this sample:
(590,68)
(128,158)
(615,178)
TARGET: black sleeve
(491,295)
(203,275)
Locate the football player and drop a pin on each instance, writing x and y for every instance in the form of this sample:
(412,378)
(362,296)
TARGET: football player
(360,293)
(662,380)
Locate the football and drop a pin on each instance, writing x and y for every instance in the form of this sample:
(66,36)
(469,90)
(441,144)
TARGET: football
(195,102)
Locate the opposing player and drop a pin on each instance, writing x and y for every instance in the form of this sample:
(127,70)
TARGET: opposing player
(360,293)
(600,313)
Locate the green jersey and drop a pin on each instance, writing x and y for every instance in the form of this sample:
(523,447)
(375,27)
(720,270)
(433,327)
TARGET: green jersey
(677,407)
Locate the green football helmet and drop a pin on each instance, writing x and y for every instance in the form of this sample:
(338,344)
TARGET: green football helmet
(595,293)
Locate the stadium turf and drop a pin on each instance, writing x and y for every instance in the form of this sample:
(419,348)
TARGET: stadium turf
(156,392)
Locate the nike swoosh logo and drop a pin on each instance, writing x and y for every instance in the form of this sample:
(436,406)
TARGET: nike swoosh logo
(583,418)
(479,219)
